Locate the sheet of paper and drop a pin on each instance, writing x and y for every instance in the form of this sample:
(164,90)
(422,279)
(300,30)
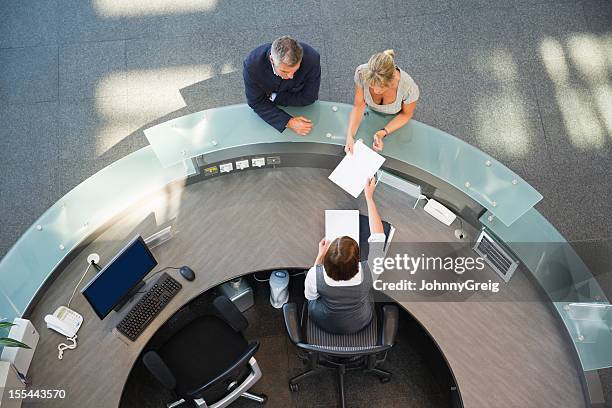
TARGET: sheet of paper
(339,223)
(355,169)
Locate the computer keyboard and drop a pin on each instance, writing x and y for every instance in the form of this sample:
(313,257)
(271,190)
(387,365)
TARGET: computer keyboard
(149,306)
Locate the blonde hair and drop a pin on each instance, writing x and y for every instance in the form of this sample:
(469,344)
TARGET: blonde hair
(381,69)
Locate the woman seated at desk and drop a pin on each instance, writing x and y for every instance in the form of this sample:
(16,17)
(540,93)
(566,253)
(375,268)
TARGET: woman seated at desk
(338,286)
(384,88)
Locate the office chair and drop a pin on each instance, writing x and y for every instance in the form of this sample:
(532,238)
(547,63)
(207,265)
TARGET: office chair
(203,357)
(359,350)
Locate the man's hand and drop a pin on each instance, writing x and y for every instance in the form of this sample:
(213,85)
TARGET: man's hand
(378,141)
(300,125)
(348,146)
(369,188)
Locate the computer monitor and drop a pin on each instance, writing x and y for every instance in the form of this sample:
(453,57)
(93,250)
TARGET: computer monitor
(123,273)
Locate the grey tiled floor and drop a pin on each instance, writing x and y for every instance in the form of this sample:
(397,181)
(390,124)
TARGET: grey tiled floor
(528,81)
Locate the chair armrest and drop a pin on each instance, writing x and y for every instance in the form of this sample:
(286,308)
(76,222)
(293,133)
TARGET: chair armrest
(243,361)
(159,369)
(230,313)
(238,390)
(390,322)
(292,322)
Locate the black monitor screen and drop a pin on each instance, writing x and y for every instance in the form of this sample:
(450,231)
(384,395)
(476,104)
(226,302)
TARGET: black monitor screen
(120,275)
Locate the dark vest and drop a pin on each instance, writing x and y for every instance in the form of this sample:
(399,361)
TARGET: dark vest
(342,309)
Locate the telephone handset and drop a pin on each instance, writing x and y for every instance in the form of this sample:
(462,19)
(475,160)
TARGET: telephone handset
(64,321)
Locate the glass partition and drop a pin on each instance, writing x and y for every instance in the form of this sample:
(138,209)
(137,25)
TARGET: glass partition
(575,293)
(465,167)
(591,333)
(69,221)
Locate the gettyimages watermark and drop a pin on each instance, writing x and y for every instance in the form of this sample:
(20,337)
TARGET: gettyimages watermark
(454,272)
(422,263)
(413,264)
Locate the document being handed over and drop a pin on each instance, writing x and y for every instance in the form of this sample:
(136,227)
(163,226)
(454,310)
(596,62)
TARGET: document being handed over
(355,169)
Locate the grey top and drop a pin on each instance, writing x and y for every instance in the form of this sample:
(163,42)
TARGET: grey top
(407,91)
(342,309)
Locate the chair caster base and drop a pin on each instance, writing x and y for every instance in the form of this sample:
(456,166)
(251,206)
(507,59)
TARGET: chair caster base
(294,387)
(261,399)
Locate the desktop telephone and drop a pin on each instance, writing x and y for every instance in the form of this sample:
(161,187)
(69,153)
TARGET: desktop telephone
(64,321)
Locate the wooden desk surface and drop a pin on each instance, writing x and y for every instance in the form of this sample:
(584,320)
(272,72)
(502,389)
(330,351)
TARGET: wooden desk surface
(502,354)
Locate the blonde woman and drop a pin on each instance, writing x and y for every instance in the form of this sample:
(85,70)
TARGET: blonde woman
(384,88)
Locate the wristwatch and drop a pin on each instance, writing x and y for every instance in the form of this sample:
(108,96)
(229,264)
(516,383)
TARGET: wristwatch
(386,132)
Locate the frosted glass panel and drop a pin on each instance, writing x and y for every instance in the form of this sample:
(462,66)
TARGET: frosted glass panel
(575,293)
(463,166)
(80,212)
(592,335)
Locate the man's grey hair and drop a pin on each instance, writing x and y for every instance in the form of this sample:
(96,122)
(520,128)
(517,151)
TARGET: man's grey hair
(286,50)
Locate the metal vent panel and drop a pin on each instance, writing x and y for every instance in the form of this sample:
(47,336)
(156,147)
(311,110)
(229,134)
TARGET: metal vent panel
(495,256)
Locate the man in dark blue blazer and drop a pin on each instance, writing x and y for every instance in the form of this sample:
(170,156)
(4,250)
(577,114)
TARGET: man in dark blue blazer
(285,73)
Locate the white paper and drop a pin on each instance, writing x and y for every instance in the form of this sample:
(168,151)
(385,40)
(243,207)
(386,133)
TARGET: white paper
(339,223)
(355,169)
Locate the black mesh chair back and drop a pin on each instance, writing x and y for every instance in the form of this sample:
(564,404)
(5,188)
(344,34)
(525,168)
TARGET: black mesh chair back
(204,358)
(365,349)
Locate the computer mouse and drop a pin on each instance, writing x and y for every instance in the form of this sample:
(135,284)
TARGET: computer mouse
(187,273)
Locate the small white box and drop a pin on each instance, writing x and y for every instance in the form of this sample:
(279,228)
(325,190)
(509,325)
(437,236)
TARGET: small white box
(24,332)
(259,162)
(226,167)
(239,292)
(242,164)
(439,212)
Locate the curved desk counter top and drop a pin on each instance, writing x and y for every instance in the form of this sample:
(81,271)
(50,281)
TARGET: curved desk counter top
(428,152)
(457,163)
(461,175)
(501,353)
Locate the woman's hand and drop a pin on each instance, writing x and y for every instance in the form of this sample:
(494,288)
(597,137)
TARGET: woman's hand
(369,188)
(348,146)
(374,220)
(323,247)
(378,141)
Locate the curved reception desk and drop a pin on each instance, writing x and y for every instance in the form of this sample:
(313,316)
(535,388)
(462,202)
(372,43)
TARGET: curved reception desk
(531,346)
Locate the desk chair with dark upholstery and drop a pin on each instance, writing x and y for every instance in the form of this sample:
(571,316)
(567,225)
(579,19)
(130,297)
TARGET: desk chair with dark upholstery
(359,350)
(204,358)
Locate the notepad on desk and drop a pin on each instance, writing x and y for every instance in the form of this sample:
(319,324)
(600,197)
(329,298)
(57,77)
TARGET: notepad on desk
(339,223)
(355,169)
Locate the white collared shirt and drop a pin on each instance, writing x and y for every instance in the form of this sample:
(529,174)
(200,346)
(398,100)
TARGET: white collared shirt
(310,284)
(273,94)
